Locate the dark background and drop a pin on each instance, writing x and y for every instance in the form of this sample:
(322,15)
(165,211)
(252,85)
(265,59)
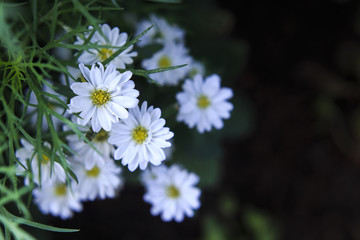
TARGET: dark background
(295,175)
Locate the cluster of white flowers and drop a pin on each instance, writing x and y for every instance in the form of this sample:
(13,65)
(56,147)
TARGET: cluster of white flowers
(106,108)
(203,103)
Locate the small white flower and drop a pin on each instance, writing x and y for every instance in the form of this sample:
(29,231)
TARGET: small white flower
(170,55)
(203,103)
(140,139)
(51,103)
(162,32)
(44,171)
(112,37)
(103,97)
(173,194)
(101,181)
(87,155)
(58,199)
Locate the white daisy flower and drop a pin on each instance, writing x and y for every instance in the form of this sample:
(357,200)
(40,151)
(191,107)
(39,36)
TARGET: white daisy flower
(173,194)
(140,139)
(170,55)
(87,155)
(58,199)
(162,32)
(51,103)
(112,37)
(101,181)
(203,103)
(103,97)
(43,171)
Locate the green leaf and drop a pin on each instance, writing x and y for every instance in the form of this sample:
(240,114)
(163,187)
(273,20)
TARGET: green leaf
(30,223)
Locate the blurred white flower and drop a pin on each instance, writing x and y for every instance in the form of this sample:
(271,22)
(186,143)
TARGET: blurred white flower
(173,194)
(170,55)
(162,32)
(104,97)
(140,139)
(40,165)
(58,199)
(111,37)
(100,181)
(203,103)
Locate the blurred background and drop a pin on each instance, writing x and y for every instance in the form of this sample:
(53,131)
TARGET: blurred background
(287,164)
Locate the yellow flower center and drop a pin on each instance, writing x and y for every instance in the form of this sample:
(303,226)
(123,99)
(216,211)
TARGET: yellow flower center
(139,134)
(203,102)
(100,97)
(105,53)
(60,190)
(172,191)
(94,172)
(101,136)
(164,62)
(44,159)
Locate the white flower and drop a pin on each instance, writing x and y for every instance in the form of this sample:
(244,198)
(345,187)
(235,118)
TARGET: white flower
(87,155)
(104,97)
(58,199)
(170,55)
(162,32)
(101,181)
(140,139)
(173,194)
(51,103)
(203,103)
(112,37)
(44,171)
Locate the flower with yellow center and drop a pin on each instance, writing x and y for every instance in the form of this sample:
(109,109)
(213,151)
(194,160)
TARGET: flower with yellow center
(60,189)
(102,181)
(171,55)
(204,103)
(105,53)
(57,198)
(104,97)
(94,172)
(164,62)
(173,194)
(141,138)
(139,134)
(110,37)
(100,97)
(172,191)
